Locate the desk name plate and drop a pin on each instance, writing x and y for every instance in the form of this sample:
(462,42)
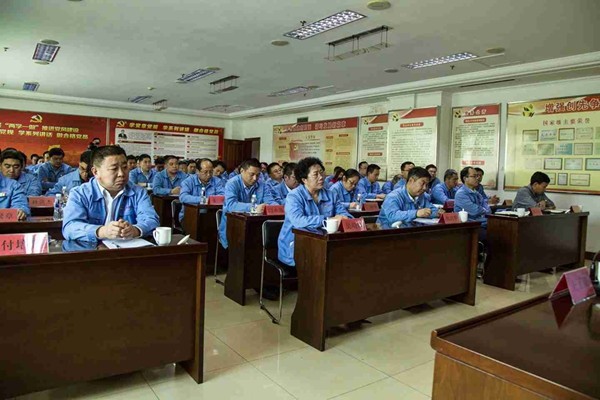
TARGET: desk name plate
(353,225)
(577,283)
(8,215)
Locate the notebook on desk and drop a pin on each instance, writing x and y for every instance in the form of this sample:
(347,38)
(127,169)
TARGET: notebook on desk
(427,221)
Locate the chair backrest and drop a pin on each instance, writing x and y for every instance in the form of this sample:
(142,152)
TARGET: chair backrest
(175,210)
(371,219)
(219,215)
(270,233)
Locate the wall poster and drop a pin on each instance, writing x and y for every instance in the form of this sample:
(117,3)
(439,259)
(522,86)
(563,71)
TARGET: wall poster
(556,136)
(476,140)
(332,141)
(373,142)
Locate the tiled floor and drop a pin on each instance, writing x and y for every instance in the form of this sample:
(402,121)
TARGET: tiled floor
(248,357)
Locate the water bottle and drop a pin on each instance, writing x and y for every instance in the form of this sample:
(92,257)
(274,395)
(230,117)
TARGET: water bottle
(203,196)
(58,207)
(359,202)
(253,204)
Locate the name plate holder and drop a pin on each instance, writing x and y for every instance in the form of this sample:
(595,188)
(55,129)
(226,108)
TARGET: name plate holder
(577,283)
(41,201)
(449,205)
(575,209)
(370,206)
(23,243)
(353,225)
(449,218)
(536,211)
(216,200)
(274,210)
(8,215)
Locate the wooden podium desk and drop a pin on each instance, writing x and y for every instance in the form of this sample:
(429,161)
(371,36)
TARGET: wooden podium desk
(244,235)
(91,313)
(519,352)
(522,245)
(200,222)
(34,224)
(162,205)
(362,213)
(346,277)
(42,211)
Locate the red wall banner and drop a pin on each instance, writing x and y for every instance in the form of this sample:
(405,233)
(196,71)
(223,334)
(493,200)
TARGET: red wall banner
(32,132)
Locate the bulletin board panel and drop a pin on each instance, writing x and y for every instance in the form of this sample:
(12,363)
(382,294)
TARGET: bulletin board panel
(476,140)
(373,142)
(333,141)
(34,132)
(160,139)
(560,137)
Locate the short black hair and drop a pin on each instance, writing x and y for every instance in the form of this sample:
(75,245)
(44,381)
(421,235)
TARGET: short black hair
(169,158)
(263,163)
(183,162)
(195,162)
(449,174)
(372,168)
(430,166)
(34,155)
(303,167)
(271,166)
(143,156)
(131,157)
(96,138)
(159,161)
(217,163)
(46,152)
(289,168)
(13,154)
(251,162)
(362,163)
(85,157)
(405,163)
(418,173)
(101,152)
(337,170)
(539,177)
(479,170)
(351,173)
(56,151)
(464,173)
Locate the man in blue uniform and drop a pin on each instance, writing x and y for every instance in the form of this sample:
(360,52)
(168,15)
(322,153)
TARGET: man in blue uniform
(49,173)
(278,193)
(432,169)
(75,178)
(143,174)
(467,198)
(168,181)
(108,206)
(404,170)
(368,186)
(443,192)
(12,196)
(345,189)
(11,164)
(191,188)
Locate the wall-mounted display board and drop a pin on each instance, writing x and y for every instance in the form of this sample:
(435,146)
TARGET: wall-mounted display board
(373,142)
(560,137)
(476,140)
(160,139)
(333,141)
(412,136)
(33,132)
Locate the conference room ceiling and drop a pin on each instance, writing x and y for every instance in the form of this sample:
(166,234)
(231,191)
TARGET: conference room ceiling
(116,49)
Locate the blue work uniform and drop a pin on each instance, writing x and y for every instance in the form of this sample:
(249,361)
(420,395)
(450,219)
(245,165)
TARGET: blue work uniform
(472,202)
(136,176)
(401,183)
(401,206)
(302,212)
(237,199)
(277,194)
(12,195)
(162,183)
(86,211)
(433,184)
(191,191)
(70,180)
(387,187)
(441,194)
(48,175)
(367,189)
(344,196)
(30,184)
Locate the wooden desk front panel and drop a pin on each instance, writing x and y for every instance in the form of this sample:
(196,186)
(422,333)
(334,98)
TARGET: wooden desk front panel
(34,224)
(162,206)
(201,225)
(68,321)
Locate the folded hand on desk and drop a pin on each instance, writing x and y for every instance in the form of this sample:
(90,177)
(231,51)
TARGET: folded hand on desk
(424,213)
(21,215)
(118,229)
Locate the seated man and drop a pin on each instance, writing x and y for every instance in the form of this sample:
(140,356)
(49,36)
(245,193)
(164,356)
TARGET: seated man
(11,164)
(192,167)
(131,162)
(278,193)
(143,174)
(362,168)
(467,198)
(220,170)
(345,189)
(409,202)
(275,175)
(50,172)
(491,200)
(108,206)
(12,196)
(191,188)
(389,185)
(534,195)
(443,192)
(34,164)
(338,173)
(35,167)
(182,165)
(168,181)
(159,165)
(307,206)
(432,169)
(368,186)
(238,194)
(75,178)
(404,170)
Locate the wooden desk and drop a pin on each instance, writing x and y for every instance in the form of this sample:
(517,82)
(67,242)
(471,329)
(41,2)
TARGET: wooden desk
(77,316)
(162,205)
(346,277)
(522,245)
(200,222)
(519,352)
(42,211)
(358,214)
(34,224)
(244,234)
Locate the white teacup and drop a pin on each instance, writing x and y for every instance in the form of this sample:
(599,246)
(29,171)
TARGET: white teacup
(463,216)
(520,212)
(162,235)
(331,225)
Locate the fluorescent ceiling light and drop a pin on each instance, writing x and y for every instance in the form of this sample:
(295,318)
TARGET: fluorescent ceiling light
(31,86)
(441,60)
(195,75)
(294,90)
(139,99)
(160,105)
(325,24)
(45,52)
(226,84)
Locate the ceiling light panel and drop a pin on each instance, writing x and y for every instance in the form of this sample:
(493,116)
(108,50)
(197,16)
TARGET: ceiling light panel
(139,99)
(31,86)
(195,75)
(325,24)
(294,90)
(441,60)
(45,52)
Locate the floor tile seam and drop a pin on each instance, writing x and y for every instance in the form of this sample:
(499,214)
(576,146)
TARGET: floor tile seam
(151,388)
(226,345)
(272,380)
(278,354)
(235,324)
(358,388)
(364,362)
